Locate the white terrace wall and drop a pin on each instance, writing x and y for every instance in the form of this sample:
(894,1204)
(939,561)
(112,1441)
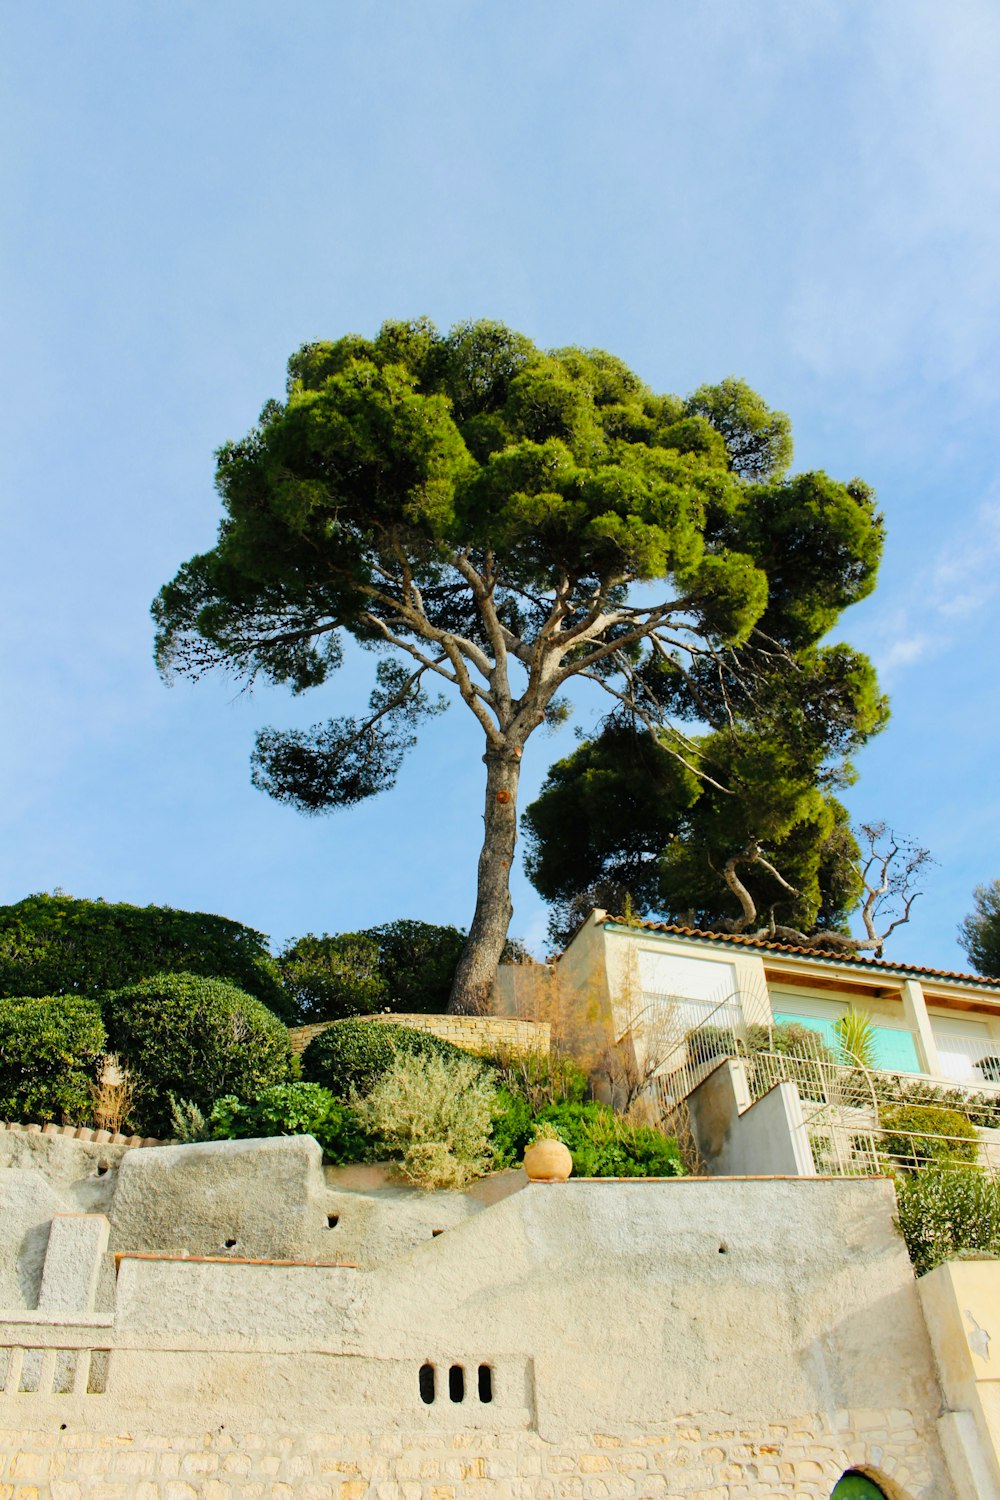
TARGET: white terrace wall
(708,1339)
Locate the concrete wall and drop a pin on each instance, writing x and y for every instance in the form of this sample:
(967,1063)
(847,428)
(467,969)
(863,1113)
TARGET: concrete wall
(726,1340)
(961,1303)
(482,1034)
(735,1138)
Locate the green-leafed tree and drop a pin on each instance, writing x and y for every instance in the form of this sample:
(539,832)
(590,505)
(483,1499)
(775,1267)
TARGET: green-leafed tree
(59,945)
(618,821)
(504,521)
(332,975)
(979,933)
(616,826)
(401,967)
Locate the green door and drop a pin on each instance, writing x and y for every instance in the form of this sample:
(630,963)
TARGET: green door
(856,1487)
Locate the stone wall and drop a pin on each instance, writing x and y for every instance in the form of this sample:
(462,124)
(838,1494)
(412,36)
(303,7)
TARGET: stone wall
(698,1459)
(711,1339)
(486,1035)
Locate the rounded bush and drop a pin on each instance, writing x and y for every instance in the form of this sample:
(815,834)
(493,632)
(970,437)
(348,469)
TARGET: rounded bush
(50,1048)
(195,1038)
(913,1134)
(351,1056)
(58,945)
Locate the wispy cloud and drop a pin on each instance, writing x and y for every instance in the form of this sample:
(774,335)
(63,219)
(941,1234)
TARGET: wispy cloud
(894,287)
(962,582)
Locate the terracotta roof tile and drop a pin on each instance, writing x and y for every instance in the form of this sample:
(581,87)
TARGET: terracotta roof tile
(823,955)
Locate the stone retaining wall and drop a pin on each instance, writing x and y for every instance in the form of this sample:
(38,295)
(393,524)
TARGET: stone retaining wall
(714,1459)
(479,1034)
(687,1339)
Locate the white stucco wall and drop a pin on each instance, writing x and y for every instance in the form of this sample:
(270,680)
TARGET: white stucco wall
(706,1338)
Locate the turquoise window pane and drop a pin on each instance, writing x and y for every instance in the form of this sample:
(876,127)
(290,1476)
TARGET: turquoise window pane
(894,1050)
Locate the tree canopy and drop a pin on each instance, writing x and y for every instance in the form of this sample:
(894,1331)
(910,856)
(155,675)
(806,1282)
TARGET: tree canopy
(979,932)
(620,821)
(405,966)
(60,945)
(501,520)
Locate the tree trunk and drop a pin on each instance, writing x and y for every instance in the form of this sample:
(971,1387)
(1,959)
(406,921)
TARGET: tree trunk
(472,989)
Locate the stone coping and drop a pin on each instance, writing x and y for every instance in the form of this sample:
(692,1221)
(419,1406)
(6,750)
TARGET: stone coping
(82,1133)
(230,1260)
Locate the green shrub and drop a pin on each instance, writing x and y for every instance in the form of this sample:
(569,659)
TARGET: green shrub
(291,1109)
(790,1039)
(187,1122)
(914,1134)
(195,1038)
(50,1048)
(706,1042)
(436,1113)
(978,1109)
(513,1122)
(351,1056)
(943,1213)
(601,1143)
(57,945)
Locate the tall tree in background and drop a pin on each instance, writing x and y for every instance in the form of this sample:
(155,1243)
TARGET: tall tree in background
(979,933)
(502,520)
(621,818)
(621,822)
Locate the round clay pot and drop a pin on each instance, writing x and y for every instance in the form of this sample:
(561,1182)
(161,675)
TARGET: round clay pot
(547,1161)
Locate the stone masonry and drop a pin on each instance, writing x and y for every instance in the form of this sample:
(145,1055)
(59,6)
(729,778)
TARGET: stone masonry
(704,1339)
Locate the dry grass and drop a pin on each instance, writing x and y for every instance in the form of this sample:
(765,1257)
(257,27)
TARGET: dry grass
(113,1095)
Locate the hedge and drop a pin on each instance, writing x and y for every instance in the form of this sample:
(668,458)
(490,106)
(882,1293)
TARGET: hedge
(351,1056)
(57,945)
(195,1038)
(50,1049)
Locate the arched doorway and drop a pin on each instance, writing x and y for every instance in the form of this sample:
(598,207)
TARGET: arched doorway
(855,1486)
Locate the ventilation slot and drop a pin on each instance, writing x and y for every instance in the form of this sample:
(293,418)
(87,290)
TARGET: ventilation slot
(485,1383)
(427,1384)
(456,1383)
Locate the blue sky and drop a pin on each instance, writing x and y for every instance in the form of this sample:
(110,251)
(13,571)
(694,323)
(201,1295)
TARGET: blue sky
(807,195)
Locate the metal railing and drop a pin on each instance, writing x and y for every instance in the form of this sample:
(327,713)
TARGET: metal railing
(969,1060)
(716,1034)
(860,1121)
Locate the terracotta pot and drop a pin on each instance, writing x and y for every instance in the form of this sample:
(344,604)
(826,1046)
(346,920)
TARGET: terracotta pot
(547,1161)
